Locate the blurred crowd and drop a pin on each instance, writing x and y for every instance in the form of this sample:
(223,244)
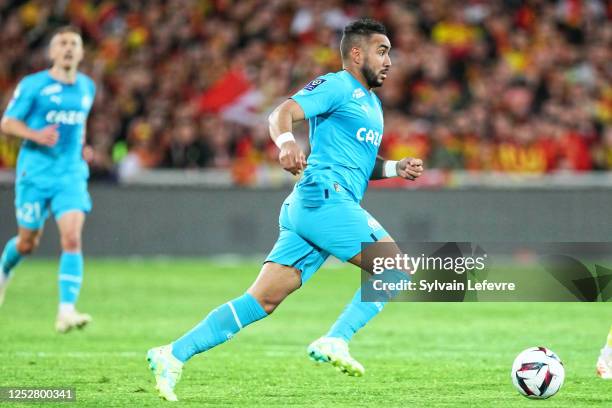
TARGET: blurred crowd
(513,86)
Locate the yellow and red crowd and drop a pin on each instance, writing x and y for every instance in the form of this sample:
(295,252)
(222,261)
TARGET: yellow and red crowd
(514,86)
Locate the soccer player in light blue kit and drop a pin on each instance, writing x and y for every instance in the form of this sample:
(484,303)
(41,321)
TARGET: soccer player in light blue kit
(322,215)
(49,111)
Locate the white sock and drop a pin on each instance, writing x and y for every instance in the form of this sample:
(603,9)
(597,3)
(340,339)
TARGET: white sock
(66,308)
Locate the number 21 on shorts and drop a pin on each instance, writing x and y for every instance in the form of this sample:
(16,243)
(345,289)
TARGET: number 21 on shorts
(29,212)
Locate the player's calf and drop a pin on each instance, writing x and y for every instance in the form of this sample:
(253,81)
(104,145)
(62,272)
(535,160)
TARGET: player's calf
(272,285)
(220,325)
(13,252)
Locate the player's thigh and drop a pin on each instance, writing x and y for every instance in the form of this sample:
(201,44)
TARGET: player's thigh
(339,228)
(294,251)
(274,283)
(368,260)
(31,207)
(70,197)
(385,247)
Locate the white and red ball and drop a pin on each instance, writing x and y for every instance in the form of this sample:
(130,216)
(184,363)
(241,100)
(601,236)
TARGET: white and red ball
(537,373)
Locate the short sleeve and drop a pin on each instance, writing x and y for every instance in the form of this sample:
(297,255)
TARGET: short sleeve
(22,100)
(93,89)
(320,96)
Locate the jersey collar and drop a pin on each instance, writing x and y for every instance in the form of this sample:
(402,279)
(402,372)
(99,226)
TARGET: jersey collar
(359,84)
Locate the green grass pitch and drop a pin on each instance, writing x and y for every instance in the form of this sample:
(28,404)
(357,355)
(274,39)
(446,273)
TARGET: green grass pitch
(417,355)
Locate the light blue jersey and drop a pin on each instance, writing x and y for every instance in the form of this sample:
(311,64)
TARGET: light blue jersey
(346,129)
(51,177)
(322,215)
(39,101)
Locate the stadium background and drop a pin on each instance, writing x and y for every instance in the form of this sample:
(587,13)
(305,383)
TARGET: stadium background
(509,103)
(511,86)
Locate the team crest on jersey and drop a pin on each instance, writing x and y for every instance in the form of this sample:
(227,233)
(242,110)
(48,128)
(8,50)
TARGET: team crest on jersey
(314,83)
(358,93)
(86,101)
(51,89)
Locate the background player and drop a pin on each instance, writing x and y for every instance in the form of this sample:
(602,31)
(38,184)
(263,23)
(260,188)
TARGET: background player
(604,362)
(322,216)
(49,111)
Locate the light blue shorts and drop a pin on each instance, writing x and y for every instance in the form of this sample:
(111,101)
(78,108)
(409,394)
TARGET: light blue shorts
(32,202)
(311,230)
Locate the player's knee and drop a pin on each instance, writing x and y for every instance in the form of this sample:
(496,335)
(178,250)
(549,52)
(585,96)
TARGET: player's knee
(27,246)
(71,242)
(269,307)
(269,304)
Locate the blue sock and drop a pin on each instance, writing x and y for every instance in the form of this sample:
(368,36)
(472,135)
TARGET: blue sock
(354,316)
(70,276)
(219,326)
(10,256)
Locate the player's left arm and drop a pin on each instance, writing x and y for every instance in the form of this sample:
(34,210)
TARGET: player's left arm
(408,168)
(88,150)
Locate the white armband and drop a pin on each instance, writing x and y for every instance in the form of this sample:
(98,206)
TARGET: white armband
(285,137)
(390,168)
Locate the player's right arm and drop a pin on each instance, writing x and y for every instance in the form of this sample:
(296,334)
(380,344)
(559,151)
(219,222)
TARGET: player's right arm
(13,121)
(281,120)
(322,95)
(46,136)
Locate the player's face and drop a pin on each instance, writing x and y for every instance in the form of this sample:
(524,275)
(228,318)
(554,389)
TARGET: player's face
(377,62)
(66,50)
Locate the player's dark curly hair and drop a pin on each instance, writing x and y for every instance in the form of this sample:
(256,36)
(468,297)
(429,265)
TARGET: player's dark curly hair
(356,31)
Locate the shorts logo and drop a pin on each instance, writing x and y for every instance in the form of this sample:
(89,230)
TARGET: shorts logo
(314,83)
(375,225)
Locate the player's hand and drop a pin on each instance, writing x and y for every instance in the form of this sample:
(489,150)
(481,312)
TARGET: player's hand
(47,136)
(88,153)
(409,168)
(292,158)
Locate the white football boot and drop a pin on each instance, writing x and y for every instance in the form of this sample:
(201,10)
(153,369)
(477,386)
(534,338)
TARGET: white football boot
(167,370)
(4,282)
(604,364)
(72,319)
(335,351)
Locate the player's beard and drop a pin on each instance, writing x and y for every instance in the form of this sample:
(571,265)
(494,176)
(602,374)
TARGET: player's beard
(370,76)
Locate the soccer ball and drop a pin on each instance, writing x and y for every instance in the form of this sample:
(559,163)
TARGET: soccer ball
(537,373)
